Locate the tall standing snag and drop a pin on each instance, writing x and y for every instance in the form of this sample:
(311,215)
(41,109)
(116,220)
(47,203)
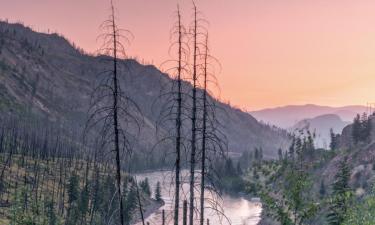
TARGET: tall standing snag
(174,110)
(204,129)
(178,122)
(193,119)
(109,102)
(213,141)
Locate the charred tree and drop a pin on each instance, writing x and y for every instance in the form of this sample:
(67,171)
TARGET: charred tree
(111,109)
(193,119)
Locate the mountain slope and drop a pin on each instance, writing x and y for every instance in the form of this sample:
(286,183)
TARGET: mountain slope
(45,74)
(287,116)
(321,125)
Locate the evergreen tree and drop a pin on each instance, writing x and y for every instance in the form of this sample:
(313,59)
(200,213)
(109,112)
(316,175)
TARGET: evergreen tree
(83,204)
(322,189)
(334,140)
(96,194)
(145,186)
(256,154)
(73,195)
(73,188)
(339,202)
(51,213)
(356,129)
(365,127)
(239,169)
(260,154)
(158,192)
(131,203)
(280,153)
(291,152)
(229,168)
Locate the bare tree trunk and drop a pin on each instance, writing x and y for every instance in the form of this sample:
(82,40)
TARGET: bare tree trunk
(184,213)
(193,123)
(178,124)
(203,160)
(115,117)
(163,217)
(139,203)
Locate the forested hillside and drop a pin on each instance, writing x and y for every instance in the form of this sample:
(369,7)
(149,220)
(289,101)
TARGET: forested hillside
(46,75)
(308,185)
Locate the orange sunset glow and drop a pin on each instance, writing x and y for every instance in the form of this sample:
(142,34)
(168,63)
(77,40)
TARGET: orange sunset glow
(272,52)
(187,112)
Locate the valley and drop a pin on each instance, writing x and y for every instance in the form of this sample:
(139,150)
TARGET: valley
(155,128)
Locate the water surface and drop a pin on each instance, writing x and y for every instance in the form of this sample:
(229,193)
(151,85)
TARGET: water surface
(237,210)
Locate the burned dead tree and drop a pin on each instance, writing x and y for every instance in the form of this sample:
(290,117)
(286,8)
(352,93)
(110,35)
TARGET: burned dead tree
(178,122)
(213,141)
(174,109)
(111,109)
(208,142)
(204,135)
(193,118)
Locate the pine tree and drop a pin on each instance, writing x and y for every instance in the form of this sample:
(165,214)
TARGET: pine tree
(256,154)
(280,153)
(73,195)
(334,142)
(131,203)
(356,129)
(365,127)
(322,189)
(73,188)
(339,202)
(229,168)
(51,213)
(239,169)
(83,203)
(291,150)
(158,192)
(145,186)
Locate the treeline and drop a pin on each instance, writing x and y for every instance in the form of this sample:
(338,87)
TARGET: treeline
(360,132)
(361,128)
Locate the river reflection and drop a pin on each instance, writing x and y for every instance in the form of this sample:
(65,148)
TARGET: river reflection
(237,210)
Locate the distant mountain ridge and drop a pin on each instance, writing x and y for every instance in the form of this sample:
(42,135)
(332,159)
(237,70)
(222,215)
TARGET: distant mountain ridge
(45,73)
(288,116)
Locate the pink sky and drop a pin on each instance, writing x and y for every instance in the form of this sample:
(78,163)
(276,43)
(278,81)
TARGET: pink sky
(273,52)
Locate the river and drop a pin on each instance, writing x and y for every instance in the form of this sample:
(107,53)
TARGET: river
(237,210)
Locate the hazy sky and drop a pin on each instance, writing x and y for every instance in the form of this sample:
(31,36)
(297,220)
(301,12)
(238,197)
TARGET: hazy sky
(273,52)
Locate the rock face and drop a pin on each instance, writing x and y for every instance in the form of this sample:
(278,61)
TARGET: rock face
(45,74)
(321,126)
(346,140)
(361,158)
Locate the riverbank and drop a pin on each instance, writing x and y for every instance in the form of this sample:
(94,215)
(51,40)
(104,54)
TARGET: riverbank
(238,208)
(152,206)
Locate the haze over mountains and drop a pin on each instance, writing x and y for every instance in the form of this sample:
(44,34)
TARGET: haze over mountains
(288,116)
(44,73)
(316,118)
